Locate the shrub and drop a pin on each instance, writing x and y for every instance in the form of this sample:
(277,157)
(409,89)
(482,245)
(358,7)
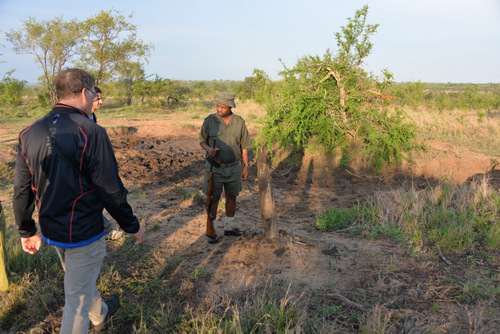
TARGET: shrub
(334,102)
(342,218)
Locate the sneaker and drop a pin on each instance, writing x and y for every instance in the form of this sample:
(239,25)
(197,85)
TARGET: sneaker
(235,232)
(113,303)
(114,235)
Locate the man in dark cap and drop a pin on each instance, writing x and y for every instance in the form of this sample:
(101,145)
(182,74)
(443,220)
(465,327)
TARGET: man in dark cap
(229,158)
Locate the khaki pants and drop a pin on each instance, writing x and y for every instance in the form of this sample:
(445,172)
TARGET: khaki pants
(5,274)
(82,301)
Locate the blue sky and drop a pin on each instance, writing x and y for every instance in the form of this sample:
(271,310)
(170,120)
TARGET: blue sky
(417,40)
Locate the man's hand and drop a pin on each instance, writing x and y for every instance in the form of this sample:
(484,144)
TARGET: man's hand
(244,156)
(212,151)
(139,236)
(32,244)
(244,173)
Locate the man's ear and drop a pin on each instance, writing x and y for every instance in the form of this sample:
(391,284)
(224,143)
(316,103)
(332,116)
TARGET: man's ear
(82,94)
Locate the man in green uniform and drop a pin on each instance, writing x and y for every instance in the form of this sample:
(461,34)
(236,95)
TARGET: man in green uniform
(229,156)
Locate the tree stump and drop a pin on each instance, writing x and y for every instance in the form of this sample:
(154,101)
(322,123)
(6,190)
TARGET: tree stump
(267,205)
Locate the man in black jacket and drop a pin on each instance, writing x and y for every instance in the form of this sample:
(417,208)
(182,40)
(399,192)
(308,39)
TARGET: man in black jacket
(66,166)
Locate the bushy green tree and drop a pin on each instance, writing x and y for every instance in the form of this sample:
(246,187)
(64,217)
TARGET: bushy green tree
(51,42)
(159,92)
(106,45)
(265,87)
(333,101)
(11,90)
(201,89)
(142,89)
(412,93)
(246,90)
(130,75)
(175,91)
(109,45)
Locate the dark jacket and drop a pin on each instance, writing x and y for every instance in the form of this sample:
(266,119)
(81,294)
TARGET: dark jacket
(69,198)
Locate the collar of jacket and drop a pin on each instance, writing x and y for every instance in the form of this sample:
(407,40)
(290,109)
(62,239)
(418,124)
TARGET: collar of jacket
(66,109)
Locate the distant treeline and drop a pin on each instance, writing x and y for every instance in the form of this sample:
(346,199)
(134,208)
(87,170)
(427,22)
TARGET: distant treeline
(457,87)
(19,98)
(449,96)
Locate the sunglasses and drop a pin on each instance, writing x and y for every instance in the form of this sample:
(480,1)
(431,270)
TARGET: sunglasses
(96,97)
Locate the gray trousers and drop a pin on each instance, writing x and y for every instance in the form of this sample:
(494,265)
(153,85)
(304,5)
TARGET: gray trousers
(82,301)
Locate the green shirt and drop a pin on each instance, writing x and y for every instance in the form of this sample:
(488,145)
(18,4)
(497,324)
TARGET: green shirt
(231,138)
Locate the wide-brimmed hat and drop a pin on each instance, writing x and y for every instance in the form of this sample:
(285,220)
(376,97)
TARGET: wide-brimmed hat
(226,99)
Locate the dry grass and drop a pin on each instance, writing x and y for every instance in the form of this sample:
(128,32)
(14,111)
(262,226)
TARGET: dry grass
(458,218)
(475,130)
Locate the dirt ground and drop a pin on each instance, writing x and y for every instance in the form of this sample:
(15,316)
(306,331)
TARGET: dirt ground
(162,164)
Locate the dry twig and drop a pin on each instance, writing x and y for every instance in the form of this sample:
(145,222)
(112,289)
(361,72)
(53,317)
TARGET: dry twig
(344,300)
(448,262)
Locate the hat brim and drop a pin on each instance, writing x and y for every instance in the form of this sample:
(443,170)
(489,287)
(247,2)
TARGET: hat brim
(225,103)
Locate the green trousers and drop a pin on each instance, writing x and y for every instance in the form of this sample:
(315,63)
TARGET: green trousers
(5,273)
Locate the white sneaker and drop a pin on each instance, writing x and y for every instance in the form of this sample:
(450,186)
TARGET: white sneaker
(113,235)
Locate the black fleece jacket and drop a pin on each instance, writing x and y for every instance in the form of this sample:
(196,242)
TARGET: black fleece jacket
(70,199)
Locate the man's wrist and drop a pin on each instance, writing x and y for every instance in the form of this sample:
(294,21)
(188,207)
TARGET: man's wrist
(246,165)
